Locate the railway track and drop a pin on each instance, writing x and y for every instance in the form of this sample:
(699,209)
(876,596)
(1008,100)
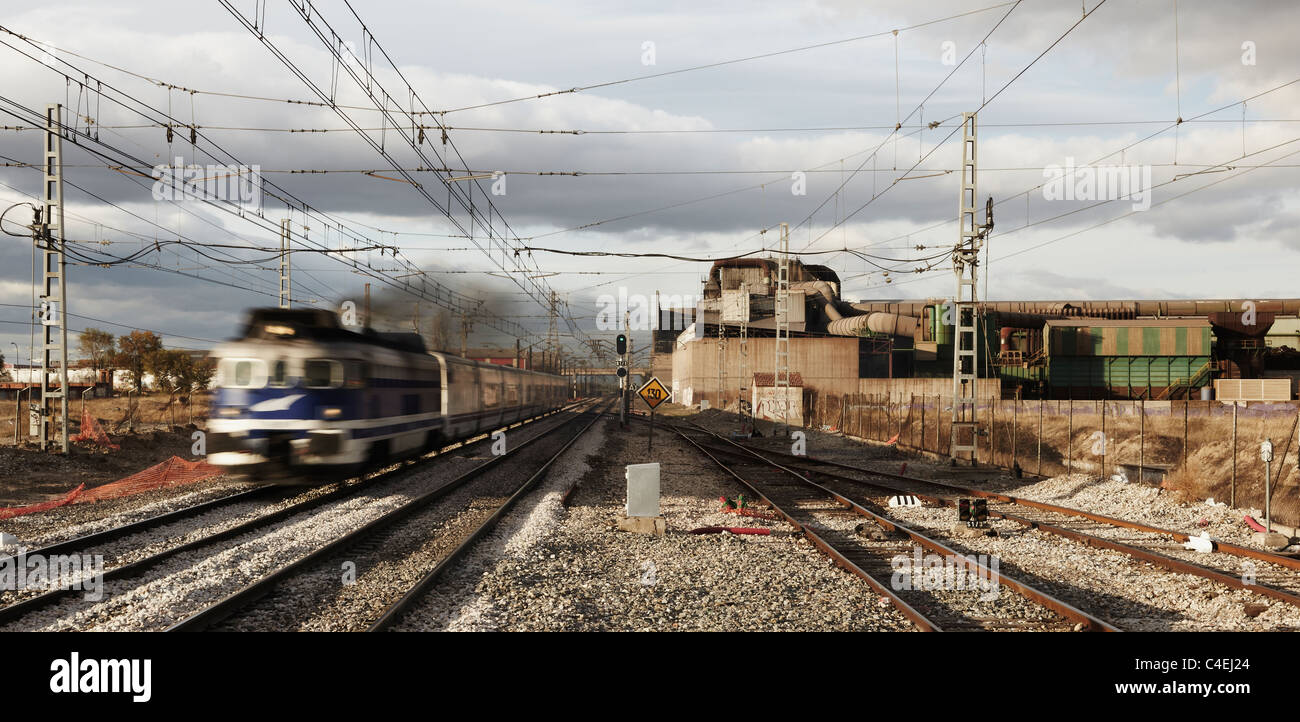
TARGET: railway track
(829,520)
(338,492)
(369,540)
(1271,575)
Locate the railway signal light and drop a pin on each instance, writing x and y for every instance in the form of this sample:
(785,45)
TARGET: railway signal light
(620,344)
(975,512)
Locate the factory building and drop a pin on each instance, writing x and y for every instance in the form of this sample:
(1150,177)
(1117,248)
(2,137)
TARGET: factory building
(1236,349)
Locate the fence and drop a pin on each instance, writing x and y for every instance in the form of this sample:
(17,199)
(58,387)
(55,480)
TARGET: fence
(119,413)
(1206,448)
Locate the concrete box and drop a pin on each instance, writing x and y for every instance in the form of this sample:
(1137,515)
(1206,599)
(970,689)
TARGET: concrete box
(643,489)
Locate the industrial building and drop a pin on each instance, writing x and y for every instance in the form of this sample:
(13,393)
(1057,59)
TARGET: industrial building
(1234,349)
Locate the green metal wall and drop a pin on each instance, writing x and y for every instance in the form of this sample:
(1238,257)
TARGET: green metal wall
(1122,372)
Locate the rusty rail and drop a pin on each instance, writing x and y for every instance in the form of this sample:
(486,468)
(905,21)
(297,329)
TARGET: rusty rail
(1167,562)
(1064,609)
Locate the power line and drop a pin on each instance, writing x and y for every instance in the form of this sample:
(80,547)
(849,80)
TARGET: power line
(440,295)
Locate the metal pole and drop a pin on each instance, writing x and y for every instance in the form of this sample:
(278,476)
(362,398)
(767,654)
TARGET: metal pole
(286,299)
(1268,495)
(1103,437)
(54,298)
(1142,438)
(18,409)
(1232,499)
(1069,444)
(1185,405)
(1039,472)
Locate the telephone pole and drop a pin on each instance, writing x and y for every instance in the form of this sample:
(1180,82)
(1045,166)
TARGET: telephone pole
(49,241)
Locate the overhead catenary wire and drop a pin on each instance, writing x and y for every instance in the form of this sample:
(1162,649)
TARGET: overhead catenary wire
(438,294)
(576,89)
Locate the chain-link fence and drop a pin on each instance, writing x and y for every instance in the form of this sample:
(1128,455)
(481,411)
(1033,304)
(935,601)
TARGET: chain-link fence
(1198,448)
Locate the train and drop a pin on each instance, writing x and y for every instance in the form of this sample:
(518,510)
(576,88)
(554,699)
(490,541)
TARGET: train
(299,398)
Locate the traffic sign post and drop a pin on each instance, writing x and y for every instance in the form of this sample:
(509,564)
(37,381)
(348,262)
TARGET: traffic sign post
(652,393)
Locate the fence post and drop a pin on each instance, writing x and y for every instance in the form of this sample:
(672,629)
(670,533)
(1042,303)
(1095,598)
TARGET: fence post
(1142,438)
(1104,440)
(993,432)
(1185,405)
(1039,471)
(922,421)
(1015,414)
(1232,498)
(1069,442)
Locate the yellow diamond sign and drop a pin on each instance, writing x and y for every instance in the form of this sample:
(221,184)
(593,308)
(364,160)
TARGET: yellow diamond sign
(653,393)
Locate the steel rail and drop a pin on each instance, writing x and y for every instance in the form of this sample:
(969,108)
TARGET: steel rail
(1225,547)
(347,488)
(1065,609)
(86,540)
(1153,557)
(104,535)
(922,622)
(398,609)
(232,603)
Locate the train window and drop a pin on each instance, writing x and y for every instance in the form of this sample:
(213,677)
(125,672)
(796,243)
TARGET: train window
(242,373)
(322,374)
(279,377)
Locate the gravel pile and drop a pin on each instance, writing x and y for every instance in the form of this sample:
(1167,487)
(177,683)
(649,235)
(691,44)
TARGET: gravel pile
(552,569)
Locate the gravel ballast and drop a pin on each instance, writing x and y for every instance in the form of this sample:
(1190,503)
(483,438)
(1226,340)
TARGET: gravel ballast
(548,568)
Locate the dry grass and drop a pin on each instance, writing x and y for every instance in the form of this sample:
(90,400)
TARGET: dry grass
(1199,456)
(118,413)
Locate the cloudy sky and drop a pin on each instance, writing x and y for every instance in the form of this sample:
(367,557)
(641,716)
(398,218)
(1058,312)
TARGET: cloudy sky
(693,163)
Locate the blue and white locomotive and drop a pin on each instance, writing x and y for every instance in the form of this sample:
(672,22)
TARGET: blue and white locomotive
(299,397)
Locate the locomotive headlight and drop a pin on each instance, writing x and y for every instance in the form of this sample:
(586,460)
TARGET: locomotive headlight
(331,412)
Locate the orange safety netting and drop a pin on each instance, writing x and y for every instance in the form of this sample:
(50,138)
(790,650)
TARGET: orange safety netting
(92,431)
(172,472)
(43,506)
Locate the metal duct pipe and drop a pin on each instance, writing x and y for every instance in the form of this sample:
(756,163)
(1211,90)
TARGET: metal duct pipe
(890,323)
(827,301)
